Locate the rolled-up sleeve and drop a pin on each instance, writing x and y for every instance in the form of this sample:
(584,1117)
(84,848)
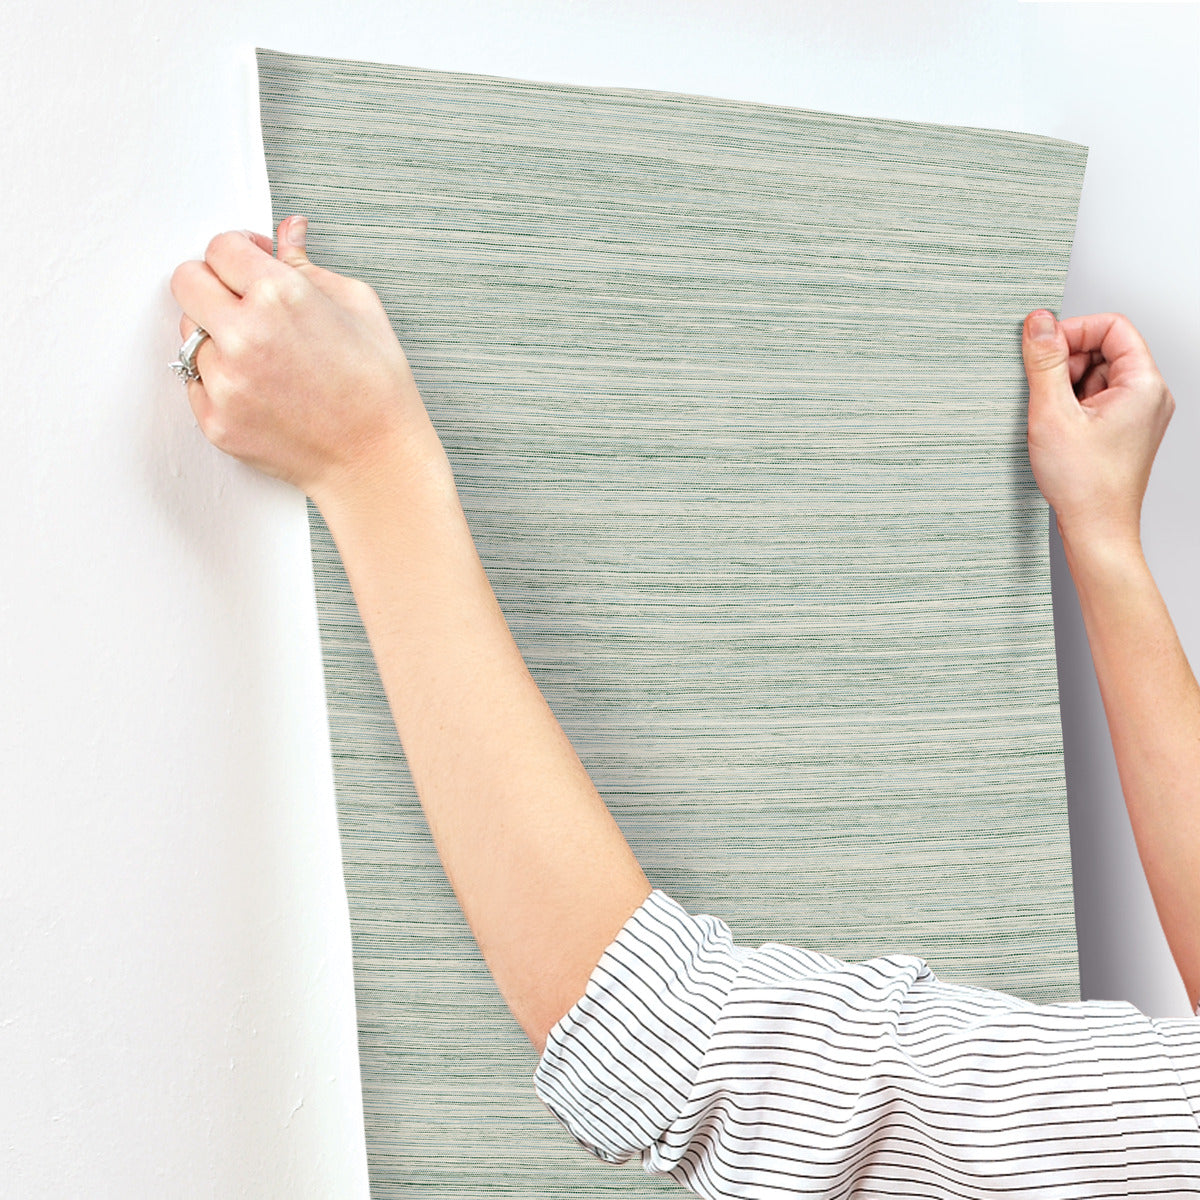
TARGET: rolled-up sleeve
(777,1071)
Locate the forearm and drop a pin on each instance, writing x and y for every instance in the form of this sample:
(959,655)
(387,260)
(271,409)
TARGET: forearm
(542,871)
(1152,703)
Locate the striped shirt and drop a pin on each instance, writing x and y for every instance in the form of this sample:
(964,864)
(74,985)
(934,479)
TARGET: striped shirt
(779,1072)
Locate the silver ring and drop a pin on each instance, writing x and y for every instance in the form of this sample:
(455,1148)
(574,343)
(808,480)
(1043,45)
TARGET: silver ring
(185,365)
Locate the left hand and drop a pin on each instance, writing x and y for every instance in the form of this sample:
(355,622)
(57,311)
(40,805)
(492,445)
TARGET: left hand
(301,375)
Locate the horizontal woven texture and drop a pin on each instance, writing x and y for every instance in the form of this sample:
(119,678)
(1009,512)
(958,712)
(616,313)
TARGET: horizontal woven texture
(734,398)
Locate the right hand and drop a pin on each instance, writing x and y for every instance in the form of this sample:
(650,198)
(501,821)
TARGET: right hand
(1098,409)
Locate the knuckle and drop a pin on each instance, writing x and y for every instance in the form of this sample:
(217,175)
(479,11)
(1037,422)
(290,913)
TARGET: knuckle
(363,291)
(181,275)
(233,350)
(366,300)
(235,343)
(216,243)
(291,288)
(274,291)
(261,292)
(226,417)
(1043,356)
(215,428)
(209,409)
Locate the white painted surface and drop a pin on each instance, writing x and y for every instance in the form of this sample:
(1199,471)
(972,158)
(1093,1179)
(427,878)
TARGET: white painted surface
(176,1006)
(1125,80)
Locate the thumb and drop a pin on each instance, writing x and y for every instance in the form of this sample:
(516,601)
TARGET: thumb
(291,236)
(1047,355)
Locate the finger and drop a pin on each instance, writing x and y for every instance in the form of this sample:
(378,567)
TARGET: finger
(201,404)
(202,296)
(1110,335)
(1077,364)
(186,328)
(1081,362)
(238,261)
(293,250)
(293,232)
(1046,355)
(1096,380)
(198,397)
(261,240)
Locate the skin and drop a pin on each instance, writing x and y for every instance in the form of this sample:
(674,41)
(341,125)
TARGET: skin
(304,379)
(1098,409)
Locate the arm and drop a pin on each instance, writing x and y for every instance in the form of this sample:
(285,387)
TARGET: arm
(1098,409)
(541,870)
(303,378)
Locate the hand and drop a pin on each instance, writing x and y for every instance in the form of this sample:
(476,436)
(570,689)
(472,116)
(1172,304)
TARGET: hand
(302,375)
(1098,409)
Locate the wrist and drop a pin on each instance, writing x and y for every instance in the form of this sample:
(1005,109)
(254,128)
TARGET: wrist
(403,473)
(1097,553)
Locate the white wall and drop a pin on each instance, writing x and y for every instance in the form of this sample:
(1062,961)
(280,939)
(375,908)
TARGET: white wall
(176,1005)
(1124,79)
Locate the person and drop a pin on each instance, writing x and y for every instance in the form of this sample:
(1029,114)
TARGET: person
(748,1072)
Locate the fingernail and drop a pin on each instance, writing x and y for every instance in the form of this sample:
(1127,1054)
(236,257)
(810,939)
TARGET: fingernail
(1041,324)
(296,229)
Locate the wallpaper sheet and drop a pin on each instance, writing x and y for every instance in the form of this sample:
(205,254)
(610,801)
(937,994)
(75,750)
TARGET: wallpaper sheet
(734,398)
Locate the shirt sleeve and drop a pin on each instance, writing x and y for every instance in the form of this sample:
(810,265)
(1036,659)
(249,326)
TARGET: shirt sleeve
(781,1072)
